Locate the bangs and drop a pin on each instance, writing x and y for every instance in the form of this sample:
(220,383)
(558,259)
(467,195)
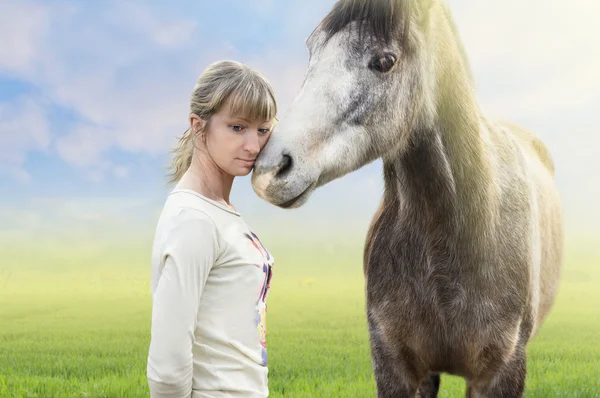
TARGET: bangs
(252,98)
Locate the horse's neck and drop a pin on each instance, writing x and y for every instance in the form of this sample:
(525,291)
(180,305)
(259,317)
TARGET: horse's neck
(442,179)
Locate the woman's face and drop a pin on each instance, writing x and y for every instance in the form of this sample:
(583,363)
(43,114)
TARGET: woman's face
(234,142)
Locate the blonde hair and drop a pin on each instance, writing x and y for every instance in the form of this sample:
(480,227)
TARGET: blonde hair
(250,95)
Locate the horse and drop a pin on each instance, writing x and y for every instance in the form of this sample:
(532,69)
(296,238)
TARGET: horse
(463,257)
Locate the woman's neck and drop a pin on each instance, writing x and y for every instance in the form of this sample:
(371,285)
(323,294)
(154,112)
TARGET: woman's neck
(206,178)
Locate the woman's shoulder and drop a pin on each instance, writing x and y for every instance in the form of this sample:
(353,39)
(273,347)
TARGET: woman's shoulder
(184,227)
(184,213)
(185,217)
(181,206)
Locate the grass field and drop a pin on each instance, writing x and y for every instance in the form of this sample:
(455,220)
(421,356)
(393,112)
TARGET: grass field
(74,322)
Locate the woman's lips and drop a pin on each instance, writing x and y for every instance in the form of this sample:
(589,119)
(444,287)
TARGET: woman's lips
(247,162)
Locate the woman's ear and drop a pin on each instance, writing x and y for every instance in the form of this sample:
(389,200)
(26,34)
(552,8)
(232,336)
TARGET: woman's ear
(196,123)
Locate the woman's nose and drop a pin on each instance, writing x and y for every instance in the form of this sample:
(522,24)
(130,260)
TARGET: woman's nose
(252,144)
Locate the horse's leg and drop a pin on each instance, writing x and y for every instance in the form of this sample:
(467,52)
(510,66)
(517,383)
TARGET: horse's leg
(508,382)
(391,373)
(429,387)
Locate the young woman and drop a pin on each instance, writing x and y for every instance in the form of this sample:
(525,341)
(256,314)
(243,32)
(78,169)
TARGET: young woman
(210,272)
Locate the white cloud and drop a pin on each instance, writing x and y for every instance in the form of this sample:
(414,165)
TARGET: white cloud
(22,29)
(163,29)
(83,146)
(117,73)
(121,172)
(263,7)
(23,128)
(23,120)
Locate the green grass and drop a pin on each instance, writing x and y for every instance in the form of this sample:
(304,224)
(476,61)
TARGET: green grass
(74,321)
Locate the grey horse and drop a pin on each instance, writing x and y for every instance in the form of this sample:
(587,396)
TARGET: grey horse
(464,255)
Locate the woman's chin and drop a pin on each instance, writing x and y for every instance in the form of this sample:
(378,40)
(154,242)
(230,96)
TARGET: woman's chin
(242,171)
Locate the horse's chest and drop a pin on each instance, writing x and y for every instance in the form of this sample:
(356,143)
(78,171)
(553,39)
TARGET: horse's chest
(421,284)
(425,297)
(396,268)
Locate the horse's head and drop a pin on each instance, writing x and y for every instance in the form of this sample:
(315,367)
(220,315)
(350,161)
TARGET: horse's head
(356,104)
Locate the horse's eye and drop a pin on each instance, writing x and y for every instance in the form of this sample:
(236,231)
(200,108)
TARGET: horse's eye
(382,63)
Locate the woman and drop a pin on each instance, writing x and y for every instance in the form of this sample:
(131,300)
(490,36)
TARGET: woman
(210,272)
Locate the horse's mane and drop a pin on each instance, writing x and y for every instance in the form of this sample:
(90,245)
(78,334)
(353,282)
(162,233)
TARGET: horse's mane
(385,18)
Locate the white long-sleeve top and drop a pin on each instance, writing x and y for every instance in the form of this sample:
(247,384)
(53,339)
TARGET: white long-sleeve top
(210,280)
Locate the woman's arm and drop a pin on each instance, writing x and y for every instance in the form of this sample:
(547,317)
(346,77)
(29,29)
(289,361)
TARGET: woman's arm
(191,250)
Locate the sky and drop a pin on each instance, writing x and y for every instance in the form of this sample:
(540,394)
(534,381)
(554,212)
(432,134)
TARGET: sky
(93,96)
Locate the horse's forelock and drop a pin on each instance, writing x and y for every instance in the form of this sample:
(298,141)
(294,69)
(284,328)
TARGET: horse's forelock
(385,19)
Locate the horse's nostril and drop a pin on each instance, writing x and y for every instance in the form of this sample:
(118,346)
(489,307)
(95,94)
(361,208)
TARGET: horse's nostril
(285,166)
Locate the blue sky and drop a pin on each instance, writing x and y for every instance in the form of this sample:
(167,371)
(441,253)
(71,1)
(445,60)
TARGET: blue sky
(93,95)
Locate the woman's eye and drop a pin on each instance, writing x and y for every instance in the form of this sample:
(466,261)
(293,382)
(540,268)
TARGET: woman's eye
(264,131)
(237,128)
